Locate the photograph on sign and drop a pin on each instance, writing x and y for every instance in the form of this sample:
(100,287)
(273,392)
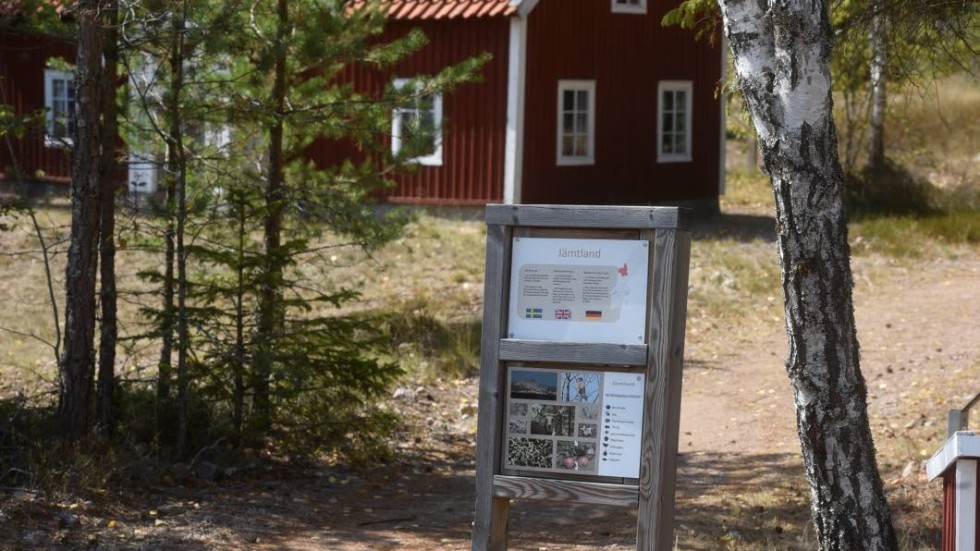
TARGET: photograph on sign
(578,290)
(574,420)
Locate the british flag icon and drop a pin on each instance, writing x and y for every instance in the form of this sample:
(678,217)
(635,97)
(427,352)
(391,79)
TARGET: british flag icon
(563,314)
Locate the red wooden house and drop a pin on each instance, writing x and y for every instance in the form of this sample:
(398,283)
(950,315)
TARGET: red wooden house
(29,85)
(584,102)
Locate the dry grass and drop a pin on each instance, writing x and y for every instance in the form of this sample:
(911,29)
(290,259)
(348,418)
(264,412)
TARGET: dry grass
(27,335)
(930,131)
(427,287)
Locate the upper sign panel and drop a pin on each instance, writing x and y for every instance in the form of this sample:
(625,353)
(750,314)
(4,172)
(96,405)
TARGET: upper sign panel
(578,290)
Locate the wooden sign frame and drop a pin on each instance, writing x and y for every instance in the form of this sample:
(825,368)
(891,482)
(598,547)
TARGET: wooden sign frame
(660,358)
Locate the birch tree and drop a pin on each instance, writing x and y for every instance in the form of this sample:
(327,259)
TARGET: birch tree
(781,51)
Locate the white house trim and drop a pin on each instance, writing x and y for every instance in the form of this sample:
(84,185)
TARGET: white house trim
(434,158)
(514,141)
(54,136)
(638,8)
(686,86)
(524,7)
(588,157)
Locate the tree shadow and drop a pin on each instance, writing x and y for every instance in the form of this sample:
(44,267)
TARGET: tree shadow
(425,500)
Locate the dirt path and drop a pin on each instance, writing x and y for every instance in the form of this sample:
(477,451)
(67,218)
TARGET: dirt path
(737,428)
(739,469)
(914,328)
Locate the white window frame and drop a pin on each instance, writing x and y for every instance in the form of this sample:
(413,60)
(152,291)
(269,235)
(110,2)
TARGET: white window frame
(50,139)
(686,86)
(589,157)
(619,6)
(434,158)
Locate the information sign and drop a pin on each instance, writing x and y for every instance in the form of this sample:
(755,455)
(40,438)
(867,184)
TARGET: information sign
(581,362)
(579,290)
(574,421)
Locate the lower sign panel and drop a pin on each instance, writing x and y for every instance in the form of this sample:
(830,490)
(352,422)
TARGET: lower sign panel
(573,421)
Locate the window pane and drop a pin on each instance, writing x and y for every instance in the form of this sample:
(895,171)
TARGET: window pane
(668,101)
(668,122)
(681,100)
(668,144)
(582,123)
(566,145)
(568,100)
(581,145)
(582,104)
(681,123)
(568,123)
(406,117)
(427,121)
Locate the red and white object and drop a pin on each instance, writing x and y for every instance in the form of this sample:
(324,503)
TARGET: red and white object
(958,463)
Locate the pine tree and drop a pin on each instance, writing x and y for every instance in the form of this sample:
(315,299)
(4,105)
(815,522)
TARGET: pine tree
(260,85)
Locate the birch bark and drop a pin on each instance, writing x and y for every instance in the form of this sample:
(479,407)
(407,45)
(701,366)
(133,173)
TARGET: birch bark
(877,36)
(781,51)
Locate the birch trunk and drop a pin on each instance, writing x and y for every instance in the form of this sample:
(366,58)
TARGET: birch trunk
(77,364)
(781,51)
(177,166)
(879,62)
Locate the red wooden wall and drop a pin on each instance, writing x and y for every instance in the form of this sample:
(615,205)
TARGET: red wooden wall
(474,115)
(949,510)
(22,62)
(626,54)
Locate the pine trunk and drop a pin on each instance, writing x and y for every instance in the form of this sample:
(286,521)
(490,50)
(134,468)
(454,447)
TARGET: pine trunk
(781,52)
(177,165)
(238,362)
(108,330)
(270,298)
(78,360)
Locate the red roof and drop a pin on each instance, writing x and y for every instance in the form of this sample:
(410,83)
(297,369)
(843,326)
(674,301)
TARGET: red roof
(443,9)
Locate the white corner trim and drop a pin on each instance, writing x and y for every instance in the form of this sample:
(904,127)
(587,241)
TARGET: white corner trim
(514,141)
(524,7)
(962,445)
(966,504)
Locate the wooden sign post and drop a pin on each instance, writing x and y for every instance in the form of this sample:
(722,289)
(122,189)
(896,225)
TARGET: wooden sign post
(582,354)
